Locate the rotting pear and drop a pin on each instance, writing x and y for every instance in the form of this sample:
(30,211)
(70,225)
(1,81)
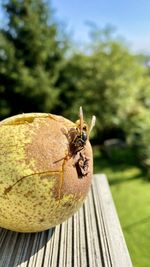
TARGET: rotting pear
(46,167)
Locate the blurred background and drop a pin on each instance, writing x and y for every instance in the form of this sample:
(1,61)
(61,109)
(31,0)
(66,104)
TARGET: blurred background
(56,56)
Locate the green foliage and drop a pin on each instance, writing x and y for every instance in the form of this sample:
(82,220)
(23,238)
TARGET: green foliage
(130,190)
(31,55)
(137,129)
(112,83)
(106,82)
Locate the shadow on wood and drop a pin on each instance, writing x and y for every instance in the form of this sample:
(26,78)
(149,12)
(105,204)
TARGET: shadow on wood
(17,248)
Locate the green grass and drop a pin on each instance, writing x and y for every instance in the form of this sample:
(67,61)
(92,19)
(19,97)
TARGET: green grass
(131,194)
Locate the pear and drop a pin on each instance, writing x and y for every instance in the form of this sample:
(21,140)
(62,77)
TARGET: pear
(42,182)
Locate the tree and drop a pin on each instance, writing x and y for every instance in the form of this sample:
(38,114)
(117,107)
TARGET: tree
(31,54)
(107,82)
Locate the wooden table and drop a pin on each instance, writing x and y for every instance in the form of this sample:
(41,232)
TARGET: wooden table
(92,237)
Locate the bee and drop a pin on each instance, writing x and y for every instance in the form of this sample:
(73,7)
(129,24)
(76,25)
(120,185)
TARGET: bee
(79,135)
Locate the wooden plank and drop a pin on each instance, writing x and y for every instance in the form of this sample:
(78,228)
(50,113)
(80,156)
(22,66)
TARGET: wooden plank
(116,245)
(91,238)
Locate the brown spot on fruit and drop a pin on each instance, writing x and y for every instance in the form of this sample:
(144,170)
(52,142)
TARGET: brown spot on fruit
(41,220)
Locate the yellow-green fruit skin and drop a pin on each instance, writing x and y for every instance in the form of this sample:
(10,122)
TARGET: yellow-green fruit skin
(39,184)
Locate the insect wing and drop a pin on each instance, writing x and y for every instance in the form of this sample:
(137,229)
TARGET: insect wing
(93,122)
(81,119)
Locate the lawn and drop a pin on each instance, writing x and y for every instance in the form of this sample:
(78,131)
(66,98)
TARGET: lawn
(131,193)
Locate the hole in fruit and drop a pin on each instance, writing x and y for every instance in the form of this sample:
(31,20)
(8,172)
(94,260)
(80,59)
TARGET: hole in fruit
(82,165)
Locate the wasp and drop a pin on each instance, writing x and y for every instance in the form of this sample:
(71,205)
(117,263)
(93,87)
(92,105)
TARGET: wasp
(79,135)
